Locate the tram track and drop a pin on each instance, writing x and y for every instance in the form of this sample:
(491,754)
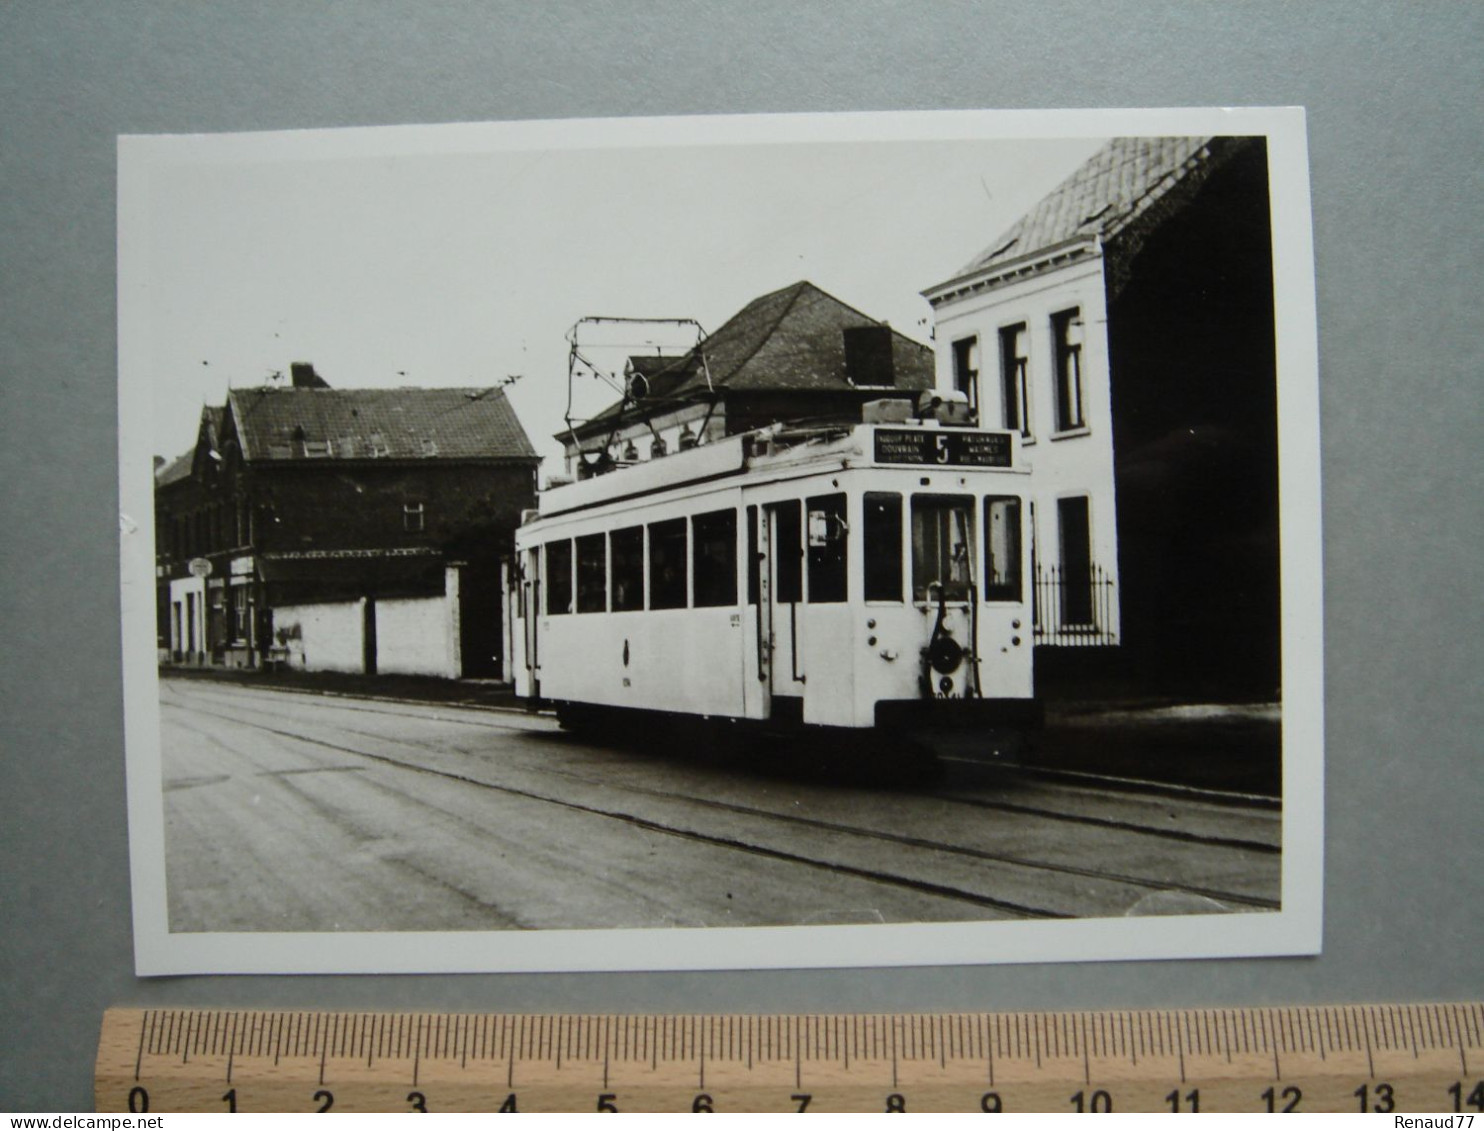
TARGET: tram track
(814,824)
(527,722)
(1180,835)
(874,875)
(1105,786)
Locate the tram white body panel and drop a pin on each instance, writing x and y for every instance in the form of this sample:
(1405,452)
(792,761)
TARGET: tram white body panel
(801,625)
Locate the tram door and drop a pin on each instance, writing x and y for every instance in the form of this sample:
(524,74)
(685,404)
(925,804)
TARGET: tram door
(530,598)
(779,601)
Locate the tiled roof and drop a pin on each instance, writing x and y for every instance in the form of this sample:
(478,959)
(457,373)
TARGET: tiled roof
(791,340)
(407,423)
(177,469)
(1108,194)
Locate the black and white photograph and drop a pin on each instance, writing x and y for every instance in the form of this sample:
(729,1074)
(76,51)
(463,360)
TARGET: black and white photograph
(779,541)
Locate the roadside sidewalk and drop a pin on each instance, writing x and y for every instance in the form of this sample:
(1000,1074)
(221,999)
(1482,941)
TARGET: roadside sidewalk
(488,694)
(1231,747)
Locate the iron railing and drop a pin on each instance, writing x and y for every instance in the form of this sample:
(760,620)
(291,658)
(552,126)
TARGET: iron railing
(1073,606)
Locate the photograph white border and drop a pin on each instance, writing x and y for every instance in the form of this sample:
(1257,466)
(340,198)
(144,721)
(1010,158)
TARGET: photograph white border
(1294,930)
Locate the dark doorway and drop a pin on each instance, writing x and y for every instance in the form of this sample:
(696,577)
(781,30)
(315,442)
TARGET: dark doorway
(481,634)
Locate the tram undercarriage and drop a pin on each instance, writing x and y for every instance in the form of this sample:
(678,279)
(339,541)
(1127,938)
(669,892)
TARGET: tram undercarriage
(909,744)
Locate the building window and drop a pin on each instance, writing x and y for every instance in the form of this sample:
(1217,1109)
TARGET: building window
(667,582)
(1066,333)
(627,549)
(1075,530)
(966,370)
(883,546)
(559,577)
(413,517)
(1001,549)
(828,543)
(942,532)
(714,552)
(241,614)
(1014,387)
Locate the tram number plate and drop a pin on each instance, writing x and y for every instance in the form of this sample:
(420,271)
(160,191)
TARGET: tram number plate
(946,447)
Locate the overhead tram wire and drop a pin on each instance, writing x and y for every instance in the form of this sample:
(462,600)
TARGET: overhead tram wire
(575,356)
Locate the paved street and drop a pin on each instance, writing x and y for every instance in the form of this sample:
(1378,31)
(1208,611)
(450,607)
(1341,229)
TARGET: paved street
(296,812)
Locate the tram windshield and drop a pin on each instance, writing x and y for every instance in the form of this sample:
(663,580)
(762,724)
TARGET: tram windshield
(942,535)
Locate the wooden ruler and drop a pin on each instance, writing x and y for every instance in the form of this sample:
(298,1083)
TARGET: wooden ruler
(1374,1058)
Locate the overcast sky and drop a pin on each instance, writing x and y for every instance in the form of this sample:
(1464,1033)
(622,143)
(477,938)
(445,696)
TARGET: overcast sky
(410,266)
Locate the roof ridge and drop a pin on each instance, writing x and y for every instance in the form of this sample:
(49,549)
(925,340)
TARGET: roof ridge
(798,289)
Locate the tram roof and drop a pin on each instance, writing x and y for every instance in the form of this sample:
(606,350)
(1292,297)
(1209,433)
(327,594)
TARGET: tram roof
(779,447)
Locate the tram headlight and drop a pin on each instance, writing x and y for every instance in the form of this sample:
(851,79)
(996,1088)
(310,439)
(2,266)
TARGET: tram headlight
(944,654)
(945,685)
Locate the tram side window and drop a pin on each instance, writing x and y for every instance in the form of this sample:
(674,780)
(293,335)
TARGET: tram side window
(627,548)
(789,551)
(942,534)
(558,577)
(592,574)
(714,546)
(667,564)
(882,539)
(828,540)
(1001,549)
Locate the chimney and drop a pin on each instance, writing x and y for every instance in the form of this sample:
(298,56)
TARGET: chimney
(304,376)
(868,358)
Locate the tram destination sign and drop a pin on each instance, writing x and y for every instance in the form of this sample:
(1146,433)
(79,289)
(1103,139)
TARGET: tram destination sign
(946,447)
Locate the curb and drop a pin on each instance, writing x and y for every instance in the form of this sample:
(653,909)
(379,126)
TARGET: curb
(519,712)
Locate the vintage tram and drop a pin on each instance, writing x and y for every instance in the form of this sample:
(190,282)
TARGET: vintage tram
(866,579)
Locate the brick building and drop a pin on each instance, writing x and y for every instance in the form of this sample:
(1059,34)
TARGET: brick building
(342,529)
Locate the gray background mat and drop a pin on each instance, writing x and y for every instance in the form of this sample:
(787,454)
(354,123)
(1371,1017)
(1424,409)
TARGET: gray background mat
(1395,145)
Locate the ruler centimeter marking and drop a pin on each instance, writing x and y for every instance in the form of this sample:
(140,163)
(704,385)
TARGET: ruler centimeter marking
(1374,1058)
